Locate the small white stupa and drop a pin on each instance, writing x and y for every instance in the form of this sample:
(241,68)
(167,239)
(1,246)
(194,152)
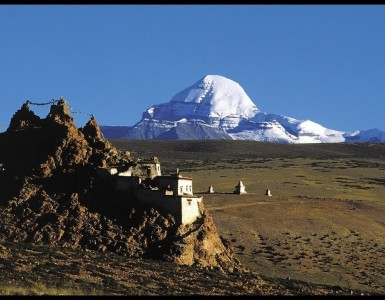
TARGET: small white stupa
(240,188)
(211,190)
(268,193)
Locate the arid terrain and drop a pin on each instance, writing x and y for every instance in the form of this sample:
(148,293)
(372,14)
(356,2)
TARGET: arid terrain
(29,269)
(65,229)
(324,222)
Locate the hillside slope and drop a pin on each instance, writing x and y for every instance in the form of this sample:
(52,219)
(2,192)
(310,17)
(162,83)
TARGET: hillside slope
(55,196)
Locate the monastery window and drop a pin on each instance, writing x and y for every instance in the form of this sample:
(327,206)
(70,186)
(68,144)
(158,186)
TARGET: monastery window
(181,189)
(189,201)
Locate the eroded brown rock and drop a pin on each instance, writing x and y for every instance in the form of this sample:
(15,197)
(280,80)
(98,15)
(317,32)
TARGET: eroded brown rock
(55,197)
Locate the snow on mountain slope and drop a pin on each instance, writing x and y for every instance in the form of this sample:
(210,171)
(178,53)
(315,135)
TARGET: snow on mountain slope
(212,98)
(194,130)
(262,131)
(216,107)
(371,135)
(282,129)
(310,132)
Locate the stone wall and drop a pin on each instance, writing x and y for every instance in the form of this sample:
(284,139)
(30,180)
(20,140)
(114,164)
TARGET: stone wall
(185,209)
(190,209)
(126,183)
(179,185)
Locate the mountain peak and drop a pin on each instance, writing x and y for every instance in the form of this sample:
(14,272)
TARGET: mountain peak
(213,98)
(217,96)
(216,107)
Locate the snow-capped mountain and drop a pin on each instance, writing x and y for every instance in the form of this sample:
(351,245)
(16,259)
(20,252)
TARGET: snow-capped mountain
(281,129)
(371,135)
(216,107)
(214,99)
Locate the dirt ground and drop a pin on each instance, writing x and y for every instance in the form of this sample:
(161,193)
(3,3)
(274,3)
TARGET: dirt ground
(324,222)
(323,225)
(325,241)
(28,269)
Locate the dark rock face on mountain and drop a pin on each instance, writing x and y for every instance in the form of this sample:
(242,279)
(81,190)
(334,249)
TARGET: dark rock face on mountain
(51,191)
(194,130)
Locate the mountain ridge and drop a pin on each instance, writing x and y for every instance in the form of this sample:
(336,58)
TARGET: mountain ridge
(216,107)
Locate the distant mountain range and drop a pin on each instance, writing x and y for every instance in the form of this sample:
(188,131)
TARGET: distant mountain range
(216,107)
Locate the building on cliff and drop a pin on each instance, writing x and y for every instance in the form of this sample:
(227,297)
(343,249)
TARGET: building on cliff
(170,193)
(174,194)
(141,178)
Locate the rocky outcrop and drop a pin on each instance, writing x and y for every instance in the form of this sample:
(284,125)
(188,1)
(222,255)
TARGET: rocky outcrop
(24,118)
(199,243)
(52,192)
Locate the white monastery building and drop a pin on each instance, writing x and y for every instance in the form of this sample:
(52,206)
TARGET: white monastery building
(171,193)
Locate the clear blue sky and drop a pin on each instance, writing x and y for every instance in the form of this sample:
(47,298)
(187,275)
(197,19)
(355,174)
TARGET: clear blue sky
(325,63)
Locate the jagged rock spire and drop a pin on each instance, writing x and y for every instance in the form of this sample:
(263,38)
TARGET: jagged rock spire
(24,118)
(60,113)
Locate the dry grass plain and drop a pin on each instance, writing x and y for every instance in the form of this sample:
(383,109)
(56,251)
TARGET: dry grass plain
(325,221)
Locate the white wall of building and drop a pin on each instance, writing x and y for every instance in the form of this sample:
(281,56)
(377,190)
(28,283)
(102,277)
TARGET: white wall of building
(185,209)
(179,185)
(190,209)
